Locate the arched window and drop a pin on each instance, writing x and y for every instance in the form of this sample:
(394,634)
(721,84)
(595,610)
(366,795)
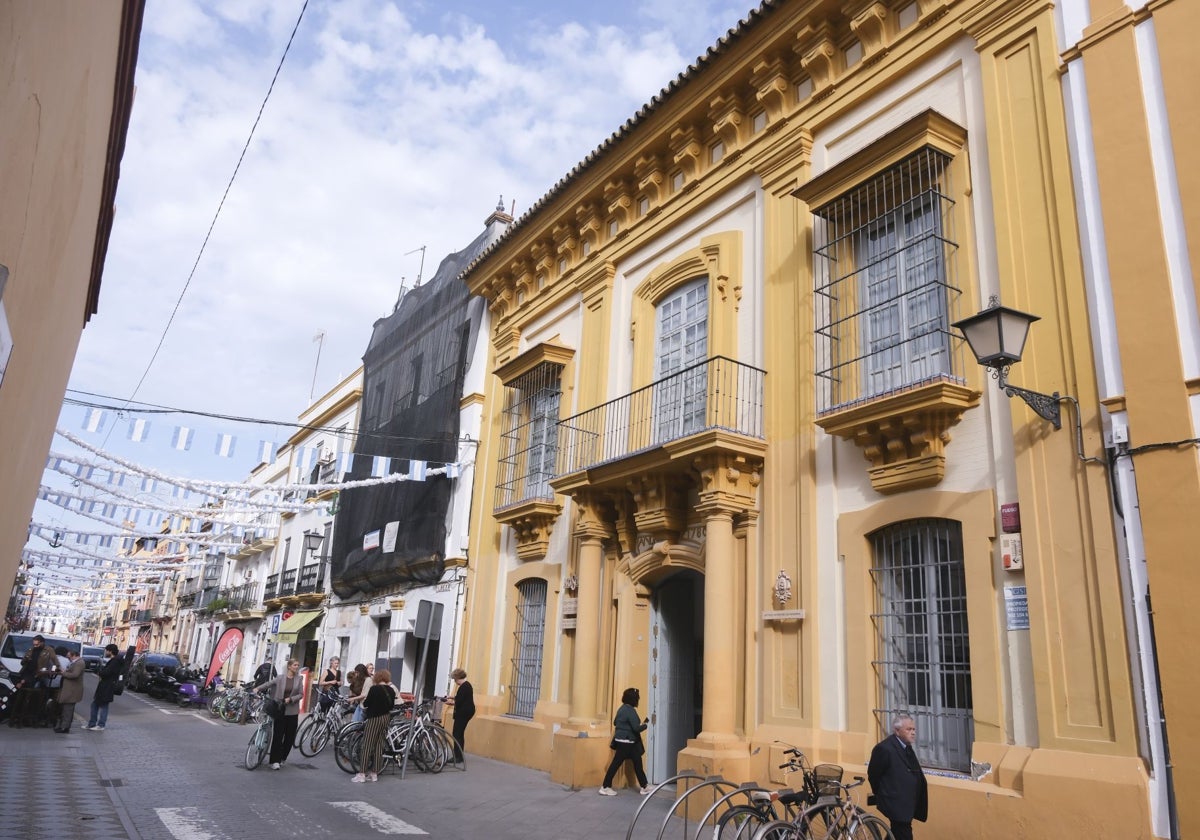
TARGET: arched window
(528,638)
(923,655)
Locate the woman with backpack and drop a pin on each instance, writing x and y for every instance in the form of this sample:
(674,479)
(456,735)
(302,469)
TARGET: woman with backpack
(377,708)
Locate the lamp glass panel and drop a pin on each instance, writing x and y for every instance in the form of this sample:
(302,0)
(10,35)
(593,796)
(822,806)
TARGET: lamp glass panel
(984,336)
(1014,329)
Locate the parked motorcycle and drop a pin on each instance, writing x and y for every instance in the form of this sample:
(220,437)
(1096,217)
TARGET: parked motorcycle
(191,690)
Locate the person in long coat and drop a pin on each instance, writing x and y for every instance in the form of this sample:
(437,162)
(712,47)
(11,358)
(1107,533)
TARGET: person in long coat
(464,710)
(897,780)
(71,691)
(110,675)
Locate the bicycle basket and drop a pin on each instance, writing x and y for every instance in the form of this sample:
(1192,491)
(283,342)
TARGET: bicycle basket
(825,779)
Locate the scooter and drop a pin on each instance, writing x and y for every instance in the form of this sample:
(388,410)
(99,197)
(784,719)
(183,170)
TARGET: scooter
(193,692)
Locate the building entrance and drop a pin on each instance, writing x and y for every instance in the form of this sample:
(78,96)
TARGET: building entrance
(676,670)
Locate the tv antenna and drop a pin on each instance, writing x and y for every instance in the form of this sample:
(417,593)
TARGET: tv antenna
(421,269)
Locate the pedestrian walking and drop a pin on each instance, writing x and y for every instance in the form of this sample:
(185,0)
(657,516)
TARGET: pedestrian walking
(266,671)
(897,780)
(110,675)
(377,708)
(287,689)
(71,691)
(627,743)
(464,709)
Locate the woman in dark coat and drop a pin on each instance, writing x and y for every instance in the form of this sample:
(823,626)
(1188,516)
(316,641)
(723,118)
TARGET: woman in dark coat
(110,677)
(627,742)
(464,710)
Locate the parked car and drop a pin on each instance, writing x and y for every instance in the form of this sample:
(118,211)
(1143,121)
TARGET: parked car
(16,645)
(93,657)
(146,666)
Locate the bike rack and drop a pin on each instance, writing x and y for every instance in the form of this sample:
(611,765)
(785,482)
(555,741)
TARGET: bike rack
(744,789)
(717,783)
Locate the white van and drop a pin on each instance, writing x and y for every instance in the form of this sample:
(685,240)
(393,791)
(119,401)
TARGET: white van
(16,645)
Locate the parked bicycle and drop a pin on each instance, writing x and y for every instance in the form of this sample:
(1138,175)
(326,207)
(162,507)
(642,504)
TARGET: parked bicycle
(741,821)
(324,723)
(411,731)
(835,816)
(260,742)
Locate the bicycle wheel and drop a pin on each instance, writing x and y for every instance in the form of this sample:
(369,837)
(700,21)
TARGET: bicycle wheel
(869,827)
(304,733)
(216,704)
(318,739)
(347,750)
(779,830)
(739,823)
(231,710)
(260,743)
(821,821)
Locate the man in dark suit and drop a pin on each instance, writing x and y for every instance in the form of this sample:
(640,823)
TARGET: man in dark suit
(897,779)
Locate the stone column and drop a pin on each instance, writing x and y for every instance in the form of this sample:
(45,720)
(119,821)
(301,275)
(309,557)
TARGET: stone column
(720,632)
(592,532)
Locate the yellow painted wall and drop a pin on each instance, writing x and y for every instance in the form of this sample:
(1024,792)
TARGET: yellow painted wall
(1074,767)
(58,66)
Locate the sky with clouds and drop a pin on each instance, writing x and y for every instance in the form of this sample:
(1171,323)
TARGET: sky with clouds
(391,126)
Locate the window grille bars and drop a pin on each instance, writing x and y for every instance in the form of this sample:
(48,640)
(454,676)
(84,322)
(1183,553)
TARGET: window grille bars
(924,658)
(528,638)
(886,285)
(529,440)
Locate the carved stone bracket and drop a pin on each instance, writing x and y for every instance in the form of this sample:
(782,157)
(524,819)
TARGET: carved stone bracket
(532,523)
(770,81)
(728,481)
(904,436)
(872,25)
(820,58)
(661,504)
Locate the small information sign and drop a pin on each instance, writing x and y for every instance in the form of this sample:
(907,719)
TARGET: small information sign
(1016,607)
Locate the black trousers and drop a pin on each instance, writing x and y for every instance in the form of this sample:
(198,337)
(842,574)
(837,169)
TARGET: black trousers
(901,830)
(282,736)
(460,736)
(623,753)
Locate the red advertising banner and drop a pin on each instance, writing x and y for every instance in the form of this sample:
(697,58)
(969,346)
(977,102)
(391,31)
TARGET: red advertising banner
(226,645)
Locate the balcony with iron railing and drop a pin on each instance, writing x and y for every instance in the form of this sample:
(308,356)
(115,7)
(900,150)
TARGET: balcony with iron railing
(310,579)
(714,404)
(272,587)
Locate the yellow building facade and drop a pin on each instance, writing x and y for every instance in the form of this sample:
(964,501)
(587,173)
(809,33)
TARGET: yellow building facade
(735,455)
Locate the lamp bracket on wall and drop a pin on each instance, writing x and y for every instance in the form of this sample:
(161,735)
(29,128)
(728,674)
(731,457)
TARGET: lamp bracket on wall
(1045,406)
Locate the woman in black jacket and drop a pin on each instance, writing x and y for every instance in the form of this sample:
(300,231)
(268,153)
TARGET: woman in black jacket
(627,742)
(464,710)
(110,677)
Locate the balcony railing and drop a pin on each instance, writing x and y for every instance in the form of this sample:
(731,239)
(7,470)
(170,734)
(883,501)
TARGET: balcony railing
(272,588)
(310,579)
(287,582)
(244,597)
(717,393)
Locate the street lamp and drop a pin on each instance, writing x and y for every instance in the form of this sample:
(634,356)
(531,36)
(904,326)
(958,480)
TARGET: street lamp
(997,338)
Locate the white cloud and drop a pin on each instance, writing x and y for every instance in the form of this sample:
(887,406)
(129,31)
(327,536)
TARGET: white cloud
(382,135)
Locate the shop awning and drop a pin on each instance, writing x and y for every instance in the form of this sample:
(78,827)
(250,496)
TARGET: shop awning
(290,628)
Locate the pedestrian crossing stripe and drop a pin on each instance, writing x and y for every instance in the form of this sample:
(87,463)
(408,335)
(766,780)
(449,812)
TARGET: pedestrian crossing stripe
(381,821)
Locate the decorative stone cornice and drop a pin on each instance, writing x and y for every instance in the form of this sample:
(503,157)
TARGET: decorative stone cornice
(904,436)
(686,151)
(648,174)
(820,57)
(770,80)
(872,25)
(729,121)
(618,196)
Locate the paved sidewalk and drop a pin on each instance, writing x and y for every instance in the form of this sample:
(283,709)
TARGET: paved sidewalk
(80,787)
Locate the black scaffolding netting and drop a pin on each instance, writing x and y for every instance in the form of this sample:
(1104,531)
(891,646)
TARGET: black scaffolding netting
(412,385)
